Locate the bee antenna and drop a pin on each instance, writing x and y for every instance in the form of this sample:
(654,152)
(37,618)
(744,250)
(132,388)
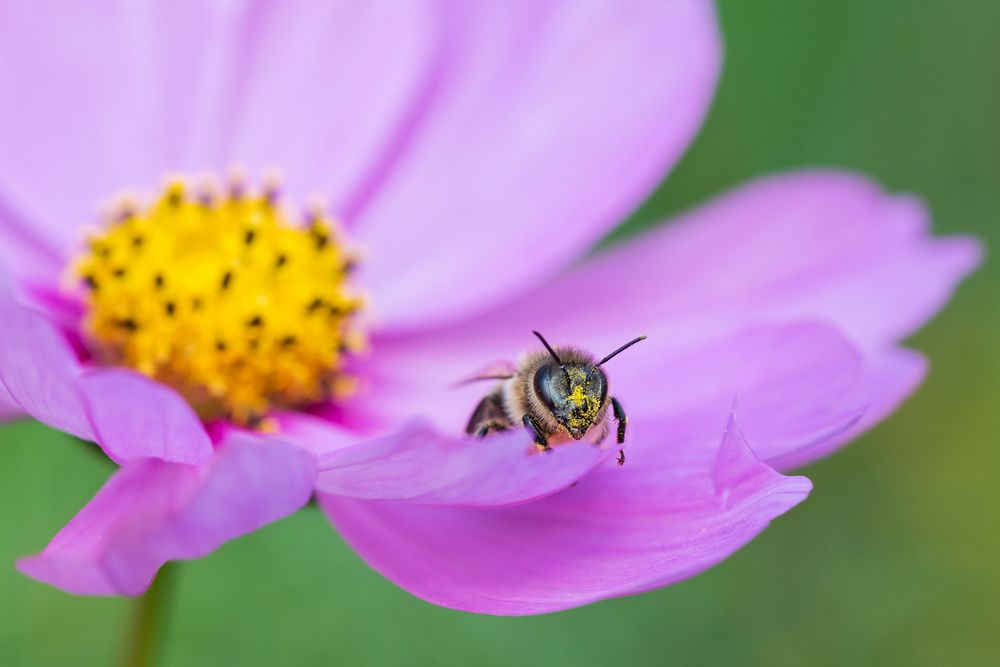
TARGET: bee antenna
(548,347)
(620,350)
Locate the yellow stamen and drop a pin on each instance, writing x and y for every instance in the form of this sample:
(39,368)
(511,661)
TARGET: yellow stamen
(221,297)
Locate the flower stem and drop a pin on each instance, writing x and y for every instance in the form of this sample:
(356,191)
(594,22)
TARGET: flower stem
(148,620)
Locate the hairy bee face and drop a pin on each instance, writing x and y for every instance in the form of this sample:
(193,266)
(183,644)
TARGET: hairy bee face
(574,393)
(564,391)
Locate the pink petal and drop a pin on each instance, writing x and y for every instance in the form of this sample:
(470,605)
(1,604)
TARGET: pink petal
(822,245)
(419,464)
(76,67)
(621,531)
(40,371)
(325,89)
(793,385)
(888,379)
(129,416)
(8,408)
(152,512)
(25,255)
(802,391)
(318,90)
(545,123)
(321,437)
(135,417)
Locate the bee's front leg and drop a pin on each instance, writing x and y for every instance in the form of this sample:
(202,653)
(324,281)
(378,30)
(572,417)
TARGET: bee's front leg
(620,417)
(536,434)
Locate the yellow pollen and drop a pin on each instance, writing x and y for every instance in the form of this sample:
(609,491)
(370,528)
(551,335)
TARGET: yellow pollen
(577,396)
(220,296)
(585,405)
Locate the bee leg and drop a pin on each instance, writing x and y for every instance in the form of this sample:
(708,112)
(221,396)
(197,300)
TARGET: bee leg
(532,428)
(620,418)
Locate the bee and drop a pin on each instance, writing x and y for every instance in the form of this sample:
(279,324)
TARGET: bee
(557,394)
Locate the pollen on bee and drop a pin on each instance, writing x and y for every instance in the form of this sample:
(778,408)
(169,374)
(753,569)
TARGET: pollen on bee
(213,290)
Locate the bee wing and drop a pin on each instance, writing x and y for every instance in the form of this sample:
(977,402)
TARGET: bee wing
(498,370)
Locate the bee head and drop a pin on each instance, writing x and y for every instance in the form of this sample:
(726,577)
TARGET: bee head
(574,389)
(573,392)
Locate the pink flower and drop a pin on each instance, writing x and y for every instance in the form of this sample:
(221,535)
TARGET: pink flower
(477,150)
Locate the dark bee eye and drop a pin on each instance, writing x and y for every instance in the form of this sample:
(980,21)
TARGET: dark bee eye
(599,382)
(551,386)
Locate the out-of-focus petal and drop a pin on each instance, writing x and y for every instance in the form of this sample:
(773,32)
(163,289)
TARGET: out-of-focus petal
(420,464)
(135,417)
(544,124)
(888,378)
(130,417)
(84,67)
(323,90)
(823,245)
(8,408)
(622,531)
(792,385)
(40,371)
(153,511)
(801,392)
(827,245)
(24,253)
(319,90)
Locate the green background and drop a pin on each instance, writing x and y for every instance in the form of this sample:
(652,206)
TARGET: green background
(892,560)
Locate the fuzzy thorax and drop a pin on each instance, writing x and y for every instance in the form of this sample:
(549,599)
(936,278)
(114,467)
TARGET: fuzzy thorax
(219,295)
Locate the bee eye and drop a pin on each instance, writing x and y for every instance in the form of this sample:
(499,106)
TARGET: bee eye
(599,381)
(550,386)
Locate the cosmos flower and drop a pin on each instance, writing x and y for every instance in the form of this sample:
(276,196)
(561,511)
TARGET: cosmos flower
(236,356)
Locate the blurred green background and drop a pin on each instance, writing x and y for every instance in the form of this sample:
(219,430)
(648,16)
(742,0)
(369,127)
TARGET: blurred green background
(892,560)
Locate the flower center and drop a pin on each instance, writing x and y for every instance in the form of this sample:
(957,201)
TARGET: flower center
(220,296)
